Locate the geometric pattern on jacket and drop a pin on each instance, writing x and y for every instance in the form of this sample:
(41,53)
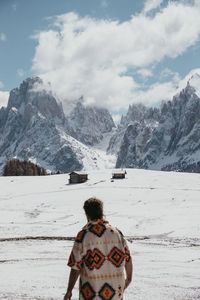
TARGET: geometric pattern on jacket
(100,252)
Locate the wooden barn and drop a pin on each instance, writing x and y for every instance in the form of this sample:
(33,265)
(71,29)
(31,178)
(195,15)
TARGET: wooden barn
(75,177)
(119,175)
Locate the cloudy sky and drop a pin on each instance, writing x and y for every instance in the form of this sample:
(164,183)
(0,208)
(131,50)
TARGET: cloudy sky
(112,52)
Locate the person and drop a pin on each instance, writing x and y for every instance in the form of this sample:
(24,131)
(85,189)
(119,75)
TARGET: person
(100,256)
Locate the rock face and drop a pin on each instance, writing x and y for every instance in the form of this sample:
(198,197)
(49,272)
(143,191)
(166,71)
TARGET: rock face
(139,118)
(34,127)
(89,124)
(164,139)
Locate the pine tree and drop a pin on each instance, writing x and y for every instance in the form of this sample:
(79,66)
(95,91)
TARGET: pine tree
(16,167)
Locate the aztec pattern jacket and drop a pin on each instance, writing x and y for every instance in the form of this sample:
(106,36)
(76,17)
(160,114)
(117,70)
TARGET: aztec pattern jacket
(100,252)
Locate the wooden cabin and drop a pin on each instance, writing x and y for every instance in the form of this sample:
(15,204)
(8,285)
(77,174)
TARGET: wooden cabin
(118,175)
(75,177)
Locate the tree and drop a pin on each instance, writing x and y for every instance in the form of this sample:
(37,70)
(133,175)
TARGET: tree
(16,167)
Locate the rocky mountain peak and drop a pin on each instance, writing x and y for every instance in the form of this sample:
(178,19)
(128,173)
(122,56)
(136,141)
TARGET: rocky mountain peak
(34,127)
(170,140)
(139,119)
(195,79)
(194,83)
(88,124)
(16,99)
(32,99)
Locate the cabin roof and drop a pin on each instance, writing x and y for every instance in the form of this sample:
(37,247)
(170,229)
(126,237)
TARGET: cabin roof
(118,173)
(76,173)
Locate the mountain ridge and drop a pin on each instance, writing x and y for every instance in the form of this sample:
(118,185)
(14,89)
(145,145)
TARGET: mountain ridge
(172,139)
(34,127)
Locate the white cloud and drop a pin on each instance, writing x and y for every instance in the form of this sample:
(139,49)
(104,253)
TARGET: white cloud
(182,83)
(164,91)
(151,4)
(3,37)
(20,72)
(166,73)
(4,98)
(145,73)
(85,56)
(156,93)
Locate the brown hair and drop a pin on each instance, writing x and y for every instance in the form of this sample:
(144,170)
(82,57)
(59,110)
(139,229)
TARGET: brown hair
(93,208)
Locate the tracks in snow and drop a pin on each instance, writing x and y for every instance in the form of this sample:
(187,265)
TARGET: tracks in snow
(159,240)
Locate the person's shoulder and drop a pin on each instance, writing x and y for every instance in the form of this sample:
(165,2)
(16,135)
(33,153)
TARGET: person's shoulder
(82,233)
(80,236)
(115,230)
(119,231)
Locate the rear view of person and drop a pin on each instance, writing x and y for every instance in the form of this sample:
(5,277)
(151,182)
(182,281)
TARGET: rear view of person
(100,256)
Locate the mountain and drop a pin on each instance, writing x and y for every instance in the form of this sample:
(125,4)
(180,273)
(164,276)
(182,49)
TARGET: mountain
(34,127)
(89,124)
(164,139)
(139,118)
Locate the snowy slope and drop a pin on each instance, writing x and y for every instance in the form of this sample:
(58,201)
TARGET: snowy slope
(158,212)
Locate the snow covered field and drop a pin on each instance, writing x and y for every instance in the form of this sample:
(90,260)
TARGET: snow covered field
(158,212)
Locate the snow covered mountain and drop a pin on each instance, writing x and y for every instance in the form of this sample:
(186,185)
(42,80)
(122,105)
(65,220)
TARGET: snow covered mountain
(139,118)
(34,127)
(164,139)
(89,124)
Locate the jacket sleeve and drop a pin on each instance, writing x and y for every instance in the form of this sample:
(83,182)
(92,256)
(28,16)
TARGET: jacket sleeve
(75,260)
(125,247)
(127,251)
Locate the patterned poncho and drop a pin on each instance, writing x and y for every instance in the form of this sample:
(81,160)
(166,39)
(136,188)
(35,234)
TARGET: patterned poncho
(100,252)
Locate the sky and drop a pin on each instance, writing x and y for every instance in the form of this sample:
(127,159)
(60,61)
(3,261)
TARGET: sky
(111,52)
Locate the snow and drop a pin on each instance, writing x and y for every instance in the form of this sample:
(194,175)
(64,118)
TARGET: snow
(103,144)
(195,82)
(14,109)
(92,157)
(158,212)
(163,161)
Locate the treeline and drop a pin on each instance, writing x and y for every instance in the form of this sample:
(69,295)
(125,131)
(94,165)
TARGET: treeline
(16,167)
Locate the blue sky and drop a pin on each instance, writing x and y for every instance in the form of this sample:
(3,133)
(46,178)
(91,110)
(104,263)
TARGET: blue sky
(19,20)
(112,52)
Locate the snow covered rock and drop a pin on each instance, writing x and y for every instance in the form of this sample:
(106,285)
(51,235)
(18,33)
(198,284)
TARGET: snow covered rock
(165,139)
(137,125)
(34,127)
(89,124)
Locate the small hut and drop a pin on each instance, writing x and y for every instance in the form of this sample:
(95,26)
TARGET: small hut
(75,177)
(119,175)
